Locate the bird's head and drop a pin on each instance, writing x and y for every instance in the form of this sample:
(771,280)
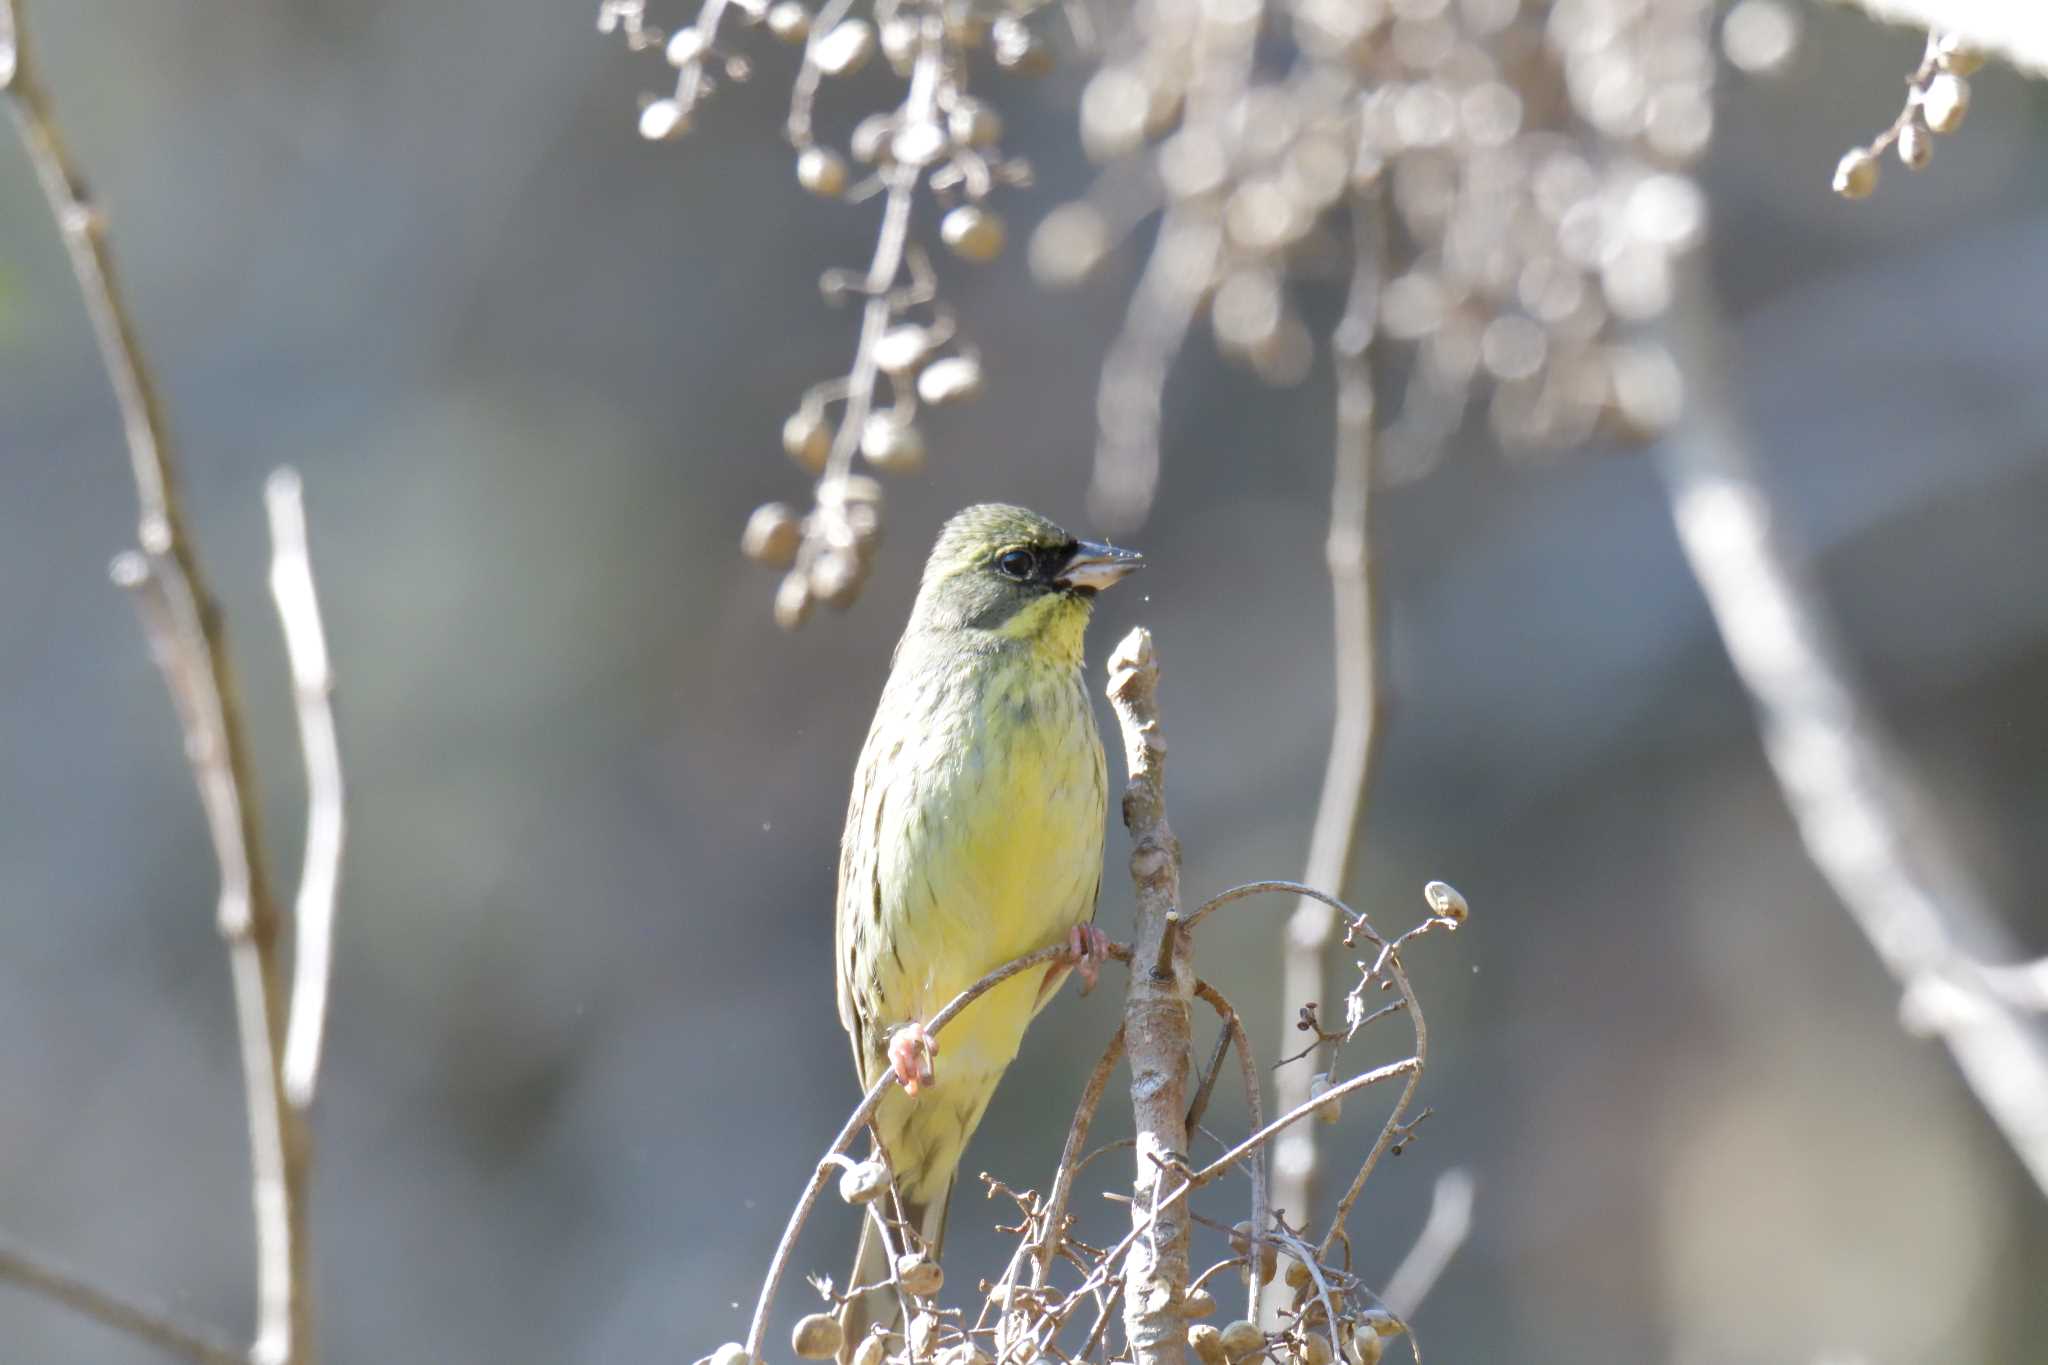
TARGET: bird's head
(1006,574)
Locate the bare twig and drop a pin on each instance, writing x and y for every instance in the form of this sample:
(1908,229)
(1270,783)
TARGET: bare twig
(1859,811)
(1443,1232)
(1248,1073)
(291,583)
(1156,1026)
(189,641)
(1077,1135)
(1358,701)
(144,1322)
(778,1264)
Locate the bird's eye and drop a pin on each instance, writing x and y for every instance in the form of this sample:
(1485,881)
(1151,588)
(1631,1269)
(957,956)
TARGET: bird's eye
(1017,564)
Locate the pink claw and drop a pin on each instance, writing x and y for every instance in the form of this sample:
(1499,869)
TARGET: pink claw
(911,1050)
(1090,947)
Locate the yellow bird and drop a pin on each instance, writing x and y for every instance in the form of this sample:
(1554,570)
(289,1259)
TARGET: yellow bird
(974,835)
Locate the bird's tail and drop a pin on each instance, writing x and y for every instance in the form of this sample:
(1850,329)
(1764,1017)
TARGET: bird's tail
(874,1262)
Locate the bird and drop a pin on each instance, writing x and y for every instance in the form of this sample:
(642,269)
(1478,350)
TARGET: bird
(973,836)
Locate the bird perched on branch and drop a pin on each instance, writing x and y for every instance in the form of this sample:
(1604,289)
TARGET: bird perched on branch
(974,836)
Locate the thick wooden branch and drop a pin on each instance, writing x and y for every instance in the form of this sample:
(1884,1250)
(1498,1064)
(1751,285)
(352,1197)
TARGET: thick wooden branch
(1157,1030)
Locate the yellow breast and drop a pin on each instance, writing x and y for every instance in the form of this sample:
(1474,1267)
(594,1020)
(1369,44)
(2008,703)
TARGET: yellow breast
(986,798)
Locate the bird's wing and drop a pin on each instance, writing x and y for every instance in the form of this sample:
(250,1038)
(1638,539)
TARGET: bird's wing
(854,917)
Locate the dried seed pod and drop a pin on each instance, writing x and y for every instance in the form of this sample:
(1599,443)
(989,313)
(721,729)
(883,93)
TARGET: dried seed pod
(1315,1350)
(864,1182)
(974,124)
(815,1337)
(919,1274)
(1207,1344)
(845,49)
(821,171)
(772,535)
(1198,1304)
(869,141)
(807,438)
(1916,144)
(1241,1238)
(836,577)
(663,119)
(954,379)
(919,143)
(899,43)
(873,1350)
(1362,1345)
(850,491)
(1298,1277)
(891,446)
(1329,1111)
(1070,242)
(963,1353)
(684,48)
(1444,902)
(793,600)
(1945,101)
(973,233)
(903,348)
(732,1353)
(1018,49)
(1958,56)
(1856,173)
(789,21)
(1240,1339)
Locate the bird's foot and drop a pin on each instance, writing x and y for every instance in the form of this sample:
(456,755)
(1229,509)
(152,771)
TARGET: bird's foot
(911,1050)
(1090,947)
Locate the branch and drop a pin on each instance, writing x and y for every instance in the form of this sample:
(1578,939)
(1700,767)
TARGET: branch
(1359,705)
(1157,1032)
(1063,1179)
(190,644)
(144,1322)
(1248,1073)
(1858,808)
(1443,1232)
(757,1330)
(291,583)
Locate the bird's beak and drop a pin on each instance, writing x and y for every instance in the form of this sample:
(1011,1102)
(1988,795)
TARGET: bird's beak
(1095,566)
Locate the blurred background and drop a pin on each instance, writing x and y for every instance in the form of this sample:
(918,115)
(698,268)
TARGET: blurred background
(584,1049)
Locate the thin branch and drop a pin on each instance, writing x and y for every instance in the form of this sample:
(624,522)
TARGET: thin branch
(189,641)
(142,1321)
(1063,1179)
(1157,1031)
(1127,406)
(291,583)
(1255,1110)
(1359,705)
(757,1330)
(1858,807)
(1443,1232)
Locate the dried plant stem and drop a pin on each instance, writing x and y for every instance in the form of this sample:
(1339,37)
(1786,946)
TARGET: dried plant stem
(1443,1232)
(1864,822)
(146,1323)
(1157,1032)
(1248,1073)
(1053,1232)
(190,645)
(1359,705)
(298,608)
(778,1264)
